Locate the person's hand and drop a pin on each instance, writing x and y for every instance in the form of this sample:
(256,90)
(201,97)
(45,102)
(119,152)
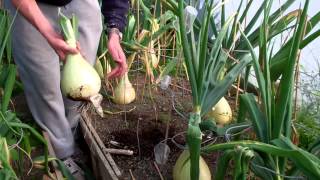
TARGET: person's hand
(118,56)
(60,46)
(31,11)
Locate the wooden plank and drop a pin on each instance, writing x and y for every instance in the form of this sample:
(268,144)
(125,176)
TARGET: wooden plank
(102,167)
(57,172)
(102,146)
(95,167)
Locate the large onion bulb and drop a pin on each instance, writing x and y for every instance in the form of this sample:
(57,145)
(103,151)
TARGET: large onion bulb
(181,170)
(79,79)
(124,93)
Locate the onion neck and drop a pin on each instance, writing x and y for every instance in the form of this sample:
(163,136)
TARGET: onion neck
(125,80)
(68,31)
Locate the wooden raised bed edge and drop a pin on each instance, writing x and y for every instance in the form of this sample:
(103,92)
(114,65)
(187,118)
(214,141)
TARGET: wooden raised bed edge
(103,165)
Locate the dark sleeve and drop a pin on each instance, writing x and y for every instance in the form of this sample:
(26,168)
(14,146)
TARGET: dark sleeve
(115,12)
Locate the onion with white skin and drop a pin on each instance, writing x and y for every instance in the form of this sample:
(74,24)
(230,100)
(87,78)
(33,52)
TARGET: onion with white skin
(181,170)
(79,79)
(221,112)
(124,93)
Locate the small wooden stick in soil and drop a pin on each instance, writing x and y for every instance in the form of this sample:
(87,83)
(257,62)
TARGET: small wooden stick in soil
(119,151)
(115,143)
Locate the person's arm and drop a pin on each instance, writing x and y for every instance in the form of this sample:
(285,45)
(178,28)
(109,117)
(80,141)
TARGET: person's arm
(31,11)
(115,12)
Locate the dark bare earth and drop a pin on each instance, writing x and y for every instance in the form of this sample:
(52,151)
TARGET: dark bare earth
(145,126)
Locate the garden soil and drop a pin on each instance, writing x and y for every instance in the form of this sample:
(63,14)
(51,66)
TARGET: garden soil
(141,125)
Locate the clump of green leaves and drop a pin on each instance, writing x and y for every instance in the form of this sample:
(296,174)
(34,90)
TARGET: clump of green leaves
(13,132)
(271,118)
(308,127)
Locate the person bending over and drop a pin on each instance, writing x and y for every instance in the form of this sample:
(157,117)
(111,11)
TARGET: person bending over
(38,48)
